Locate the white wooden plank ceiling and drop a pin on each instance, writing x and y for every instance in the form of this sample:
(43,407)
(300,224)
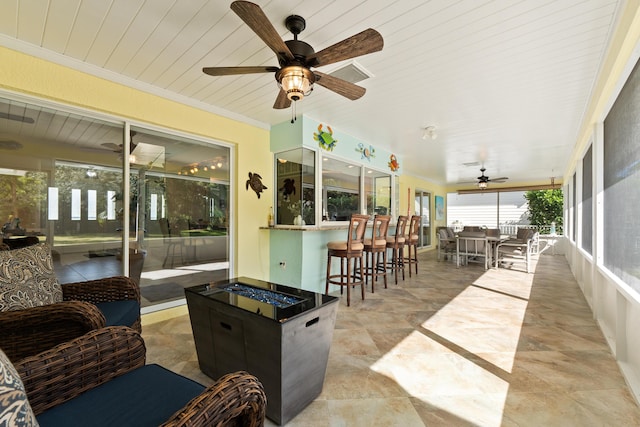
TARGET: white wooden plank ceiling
(505,82)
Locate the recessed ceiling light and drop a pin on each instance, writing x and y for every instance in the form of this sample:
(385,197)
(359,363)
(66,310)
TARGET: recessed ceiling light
(429,133)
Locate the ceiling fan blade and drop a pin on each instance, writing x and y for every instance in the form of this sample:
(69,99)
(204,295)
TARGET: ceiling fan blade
(254,17)
(339,86)
(368,41)
(112,146)
(15,117)
(230,71)
(501,179)
(282,101)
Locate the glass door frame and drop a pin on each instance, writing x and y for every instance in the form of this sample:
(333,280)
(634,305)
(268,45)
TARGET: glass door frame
(419,198)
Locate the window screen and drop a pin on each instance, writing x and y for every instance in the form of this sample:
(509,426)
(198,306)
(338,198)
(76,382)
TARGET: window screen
(621,194)
(574,216)
(587,201)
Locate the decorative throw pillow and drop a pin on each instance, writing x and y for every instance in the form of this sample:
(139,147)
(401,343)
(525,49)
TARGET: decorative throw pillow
(14,406)
(27,278)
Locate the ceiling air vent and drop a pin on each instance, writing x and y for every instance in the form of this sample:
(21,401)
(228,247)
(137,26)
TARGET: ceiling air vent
(351,72)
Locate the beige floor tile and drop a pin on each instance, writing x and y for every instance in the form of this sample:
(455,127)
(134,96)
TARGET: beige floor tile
(454,347)
(374,413)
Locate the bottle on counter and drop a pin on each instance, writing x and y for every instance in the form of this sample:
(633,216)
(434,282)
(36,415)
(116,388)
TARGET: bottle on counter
(270,218)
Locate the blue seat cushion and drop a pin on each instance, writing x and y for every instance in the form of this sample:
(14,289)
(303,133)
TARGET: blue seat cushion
(120,313)
(147,396)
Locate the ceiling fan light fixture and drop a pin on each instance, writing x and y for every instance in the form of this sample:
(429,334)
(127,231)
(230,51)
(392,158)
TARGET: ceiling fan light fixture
(483,185)
(296,81)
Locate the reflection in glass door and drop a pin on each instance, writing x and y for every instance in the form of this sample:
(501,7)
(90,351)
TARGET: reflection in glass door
(422,207)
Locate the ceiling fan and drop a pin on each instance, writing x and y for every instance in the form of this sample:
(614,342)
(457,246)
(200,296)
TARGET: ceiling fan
(483,180)
(296,58)
(118,148)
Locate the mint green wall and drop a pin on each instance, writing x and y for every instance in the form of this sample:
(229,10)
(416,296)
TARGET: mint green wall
(286,136)
(347,146)
(305,251)
(285,245)
(305,255)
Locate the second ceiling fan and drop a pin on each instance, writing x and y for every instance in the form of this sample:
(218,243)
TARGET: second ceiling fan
(296,58)
(483,180)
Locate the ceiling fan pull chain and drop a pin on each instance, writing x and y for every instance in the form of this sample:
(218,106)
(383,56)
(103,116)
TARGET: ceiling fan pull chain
(293,112)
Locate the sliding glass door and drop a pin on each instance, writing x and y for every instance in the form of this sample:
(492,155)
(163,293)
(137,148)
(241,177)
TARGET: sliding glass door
(422,207)
(63,179)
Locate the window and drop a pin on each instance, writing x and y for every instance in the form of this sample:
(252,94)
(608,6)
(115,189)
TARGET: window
(422,207)
(621,173)
(377,188)
(179,209)
(69,191)
(587,201)
(295,179)
(76,224)
(340,189)
(23,198)
(506,210)
(479,210)
(574,207)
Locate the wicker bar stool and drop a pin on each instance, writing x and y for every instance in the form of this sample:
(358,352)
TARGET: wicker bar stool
(411,242)
(351,249)
(374,248)
(396,244)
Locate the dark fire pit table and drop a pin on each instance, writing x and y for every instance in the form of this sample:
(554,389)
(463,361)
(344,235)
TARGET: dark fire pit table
(280,334)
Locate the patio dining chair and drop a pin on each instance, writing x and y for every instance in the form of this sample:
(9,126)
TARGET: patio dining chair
(473,246)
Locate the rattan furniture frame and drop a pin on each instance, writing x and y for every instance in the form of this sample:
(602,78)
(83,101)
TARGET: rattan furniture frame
(66,371)
(350,253)
(30,331)
(396,244)
(375,247)
(411,241)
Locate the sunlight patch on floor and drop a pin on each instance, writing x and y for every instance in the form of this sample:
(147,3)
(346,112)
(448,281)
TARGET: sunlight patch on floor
(485,319)
(163,274)
(183,271)
(447,380)
(465,352)
(211,266)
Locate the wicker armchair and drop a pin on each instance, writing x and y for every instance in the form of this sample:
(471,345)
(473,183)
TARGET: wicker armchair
(30,331)
(102,372)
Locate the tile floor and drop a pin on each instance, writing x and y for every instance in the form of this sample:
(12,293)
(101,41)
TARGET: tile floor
(455,347)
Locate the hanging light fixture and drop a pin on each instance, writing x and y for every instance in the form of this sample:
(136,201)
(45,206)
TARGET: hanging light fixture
(483,185)
(296,81)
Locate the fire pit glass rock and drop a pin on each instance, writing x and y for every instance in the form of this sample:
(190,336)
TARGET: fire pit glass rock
(277,299)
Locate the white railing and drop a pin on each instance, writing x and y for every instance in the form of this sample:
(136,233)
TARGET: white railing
(512,229)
